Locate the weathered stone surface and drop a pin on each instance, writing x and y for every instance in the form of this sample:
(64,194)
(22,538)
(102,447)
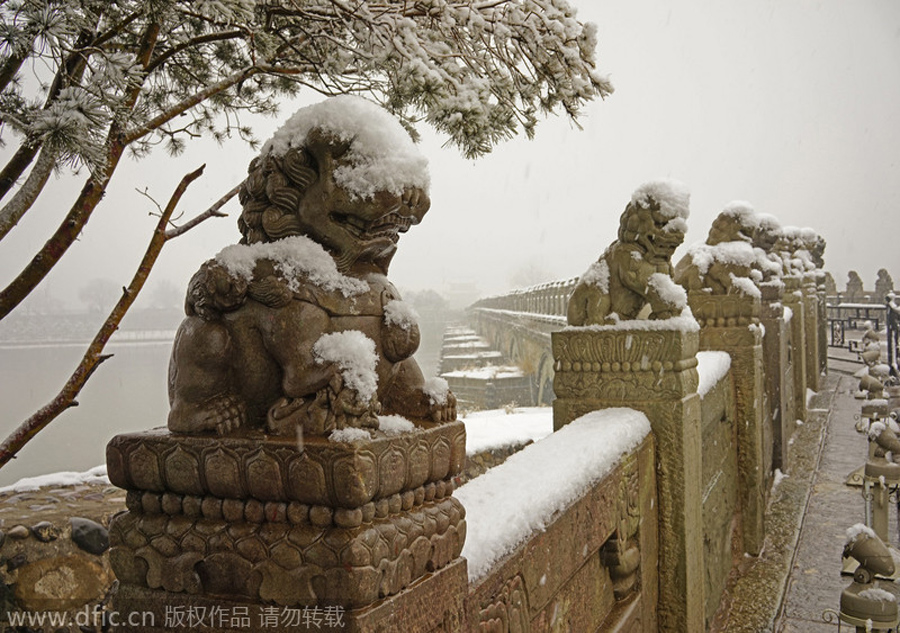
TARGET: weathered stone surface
(45,531)
(89,535)
(615,366)
(741,336)
(59,583)
(19,532)
(720,490)
(245,356)
(17,560)
(357,554)
(358,473)
(565,577)
(433,603)
(778,373)
(793,300)
(604,367)
(811,328)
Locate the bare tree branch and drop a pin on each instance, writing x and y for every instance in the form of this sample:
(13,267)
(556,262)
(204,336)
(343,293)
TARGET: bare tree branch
(211,212)
(93,357)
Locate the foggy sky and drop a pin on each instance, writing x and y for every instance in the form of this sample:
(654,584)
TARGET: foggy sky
(791,106)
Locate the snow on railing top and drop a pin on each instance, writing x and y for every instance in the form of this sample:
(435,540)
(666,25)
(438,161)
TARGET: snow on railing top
(495,429)
(520,496)
(711,368)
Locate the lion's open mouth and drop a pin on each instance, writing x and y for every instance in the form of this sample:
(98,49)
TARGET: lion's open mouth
(387,226)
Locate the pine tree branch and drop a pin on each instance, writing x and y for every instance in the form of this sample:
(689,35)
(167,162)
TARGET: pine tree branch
(90,196)
(204,39)
(13,210)
(70,72)
(17,165)
(184,105)
(114,30)
(94,356)
(11,66)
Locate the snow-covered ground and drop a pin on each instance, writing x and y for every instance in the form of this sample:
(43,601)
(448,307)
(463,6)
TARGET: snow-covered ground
(96,475)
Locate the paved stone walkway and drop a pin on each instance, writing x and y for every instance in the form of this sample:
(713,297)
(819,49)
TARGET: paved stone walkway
(815,582)
(798,575)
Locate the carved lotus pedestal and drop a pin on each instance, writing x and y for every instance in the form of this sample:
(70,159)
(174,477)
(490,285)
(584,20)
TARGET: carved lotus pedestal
(254,526)
(650,368)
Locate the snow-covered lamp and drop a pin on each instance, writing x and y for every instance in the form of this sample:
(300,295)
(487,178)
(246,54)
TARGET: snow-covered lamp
(864,604)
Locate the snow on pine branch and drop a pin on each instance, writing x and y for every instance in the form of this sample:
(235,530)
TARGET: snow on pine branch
(478,72)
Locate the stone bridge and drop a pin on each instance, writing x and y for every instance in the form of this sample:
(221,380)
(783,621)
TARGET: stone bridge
(519,324)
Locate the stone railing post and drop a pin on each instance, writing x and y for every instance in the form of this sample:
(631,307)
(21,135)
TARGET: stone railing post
(253,525)
(730,323)
(652,370)
(793,300)
(779,386)
(822,297)
(811,328)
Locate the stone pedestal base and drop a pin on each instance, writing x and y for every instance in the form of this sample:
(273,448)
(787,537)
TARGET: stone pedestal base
(435,602)
(263,521)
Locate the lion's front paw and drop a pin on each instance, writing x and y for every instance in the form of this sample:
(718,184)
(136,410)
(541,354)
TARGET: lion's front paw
(352,411)
(221,415)
(445,412)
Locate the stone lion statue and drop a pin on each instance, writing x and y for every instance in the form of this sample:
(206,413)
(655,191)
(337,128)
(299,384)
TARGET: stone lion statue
(298,326)
(636,270)
(734,259)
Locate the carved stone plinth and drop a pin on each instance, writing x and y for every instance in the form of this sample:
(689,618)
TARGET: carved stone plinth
(778,376)
(258,520)
(730,323)
(793,299)
(653,370)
